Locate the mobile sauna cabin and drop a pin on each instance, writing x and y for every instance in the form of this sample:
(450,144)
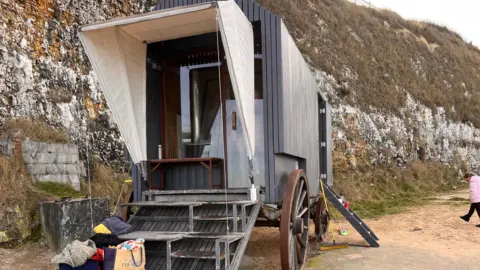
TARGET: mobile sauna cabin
(225,124)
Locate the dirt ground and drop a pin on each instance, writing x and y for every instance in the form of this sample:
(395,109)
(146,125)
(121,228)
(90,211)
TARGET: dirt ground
(427,237)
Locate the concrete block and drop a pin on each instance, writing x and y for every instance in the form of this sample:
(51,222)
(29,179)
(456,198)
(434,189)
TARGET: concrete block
(54,148)
(52,169)
(63,158)
(53,178)
(43,158)
(37,169)
(72,149)
(74,159)
(63,222)
(74,180)
(30,147)
(72,169)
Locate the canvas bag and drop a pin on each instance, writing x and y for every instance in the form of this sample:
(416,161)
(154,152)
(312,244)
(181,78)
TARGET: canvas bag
(124,259)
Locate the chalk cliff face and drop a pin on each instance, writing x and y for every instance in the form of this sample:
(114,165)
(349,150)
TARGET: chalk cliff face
(44,73)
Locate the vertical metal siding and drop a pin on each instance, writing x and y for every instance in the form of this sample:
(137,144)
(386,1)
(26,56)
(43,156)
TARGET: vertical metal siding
(329,148)
(290,113)
(299,110)
(154,112)
(269,78)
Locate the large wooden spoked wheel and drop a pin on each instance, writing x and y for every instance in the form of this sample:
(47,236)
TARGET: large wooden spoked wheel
(294,222)
(321,219)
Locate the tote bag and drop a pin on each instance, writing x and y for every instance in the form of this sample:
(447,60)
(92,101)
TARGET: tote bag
(122,259)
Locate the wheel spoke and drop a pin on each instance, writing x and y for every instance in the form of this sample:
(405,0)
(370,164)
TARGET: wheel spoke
(304,210)
(298,254)
(299,201)
(300,241)
(292,252)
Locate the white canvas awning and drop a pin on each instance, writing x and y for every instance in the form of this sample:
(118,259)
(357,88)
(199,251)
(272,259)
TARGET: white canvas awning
(117,50)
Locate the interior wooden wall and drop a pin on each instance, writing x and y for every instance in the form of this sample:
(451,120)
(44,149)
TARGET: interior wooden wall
(172,109)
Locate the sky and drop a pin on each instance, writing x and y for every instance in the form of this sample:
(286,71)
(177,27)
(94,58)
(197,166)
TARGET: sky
(461,16)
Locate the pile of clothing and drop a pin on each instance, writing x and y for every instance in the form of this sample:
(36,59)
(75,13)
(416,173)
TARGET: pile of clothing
(90,254)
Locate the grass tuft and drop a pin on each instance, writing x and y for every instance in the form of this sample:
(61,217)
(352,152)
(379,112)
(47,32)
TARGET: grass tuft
(34,130)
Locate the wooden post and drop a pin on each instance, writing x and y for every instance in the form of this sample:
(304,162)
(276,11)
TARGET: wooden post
(17,144)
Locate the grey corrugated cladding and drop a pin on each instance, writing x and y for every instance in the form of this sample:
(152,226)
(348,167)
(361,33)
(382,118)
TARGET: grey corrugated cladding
(291,122)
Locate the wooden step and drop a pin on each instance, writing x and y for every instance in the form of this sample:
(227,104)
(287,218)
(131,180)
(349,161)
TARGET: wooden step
(160,218)
(151,236)
(214,218)
(188,203)
(199,235)
(195,255)
(164,204)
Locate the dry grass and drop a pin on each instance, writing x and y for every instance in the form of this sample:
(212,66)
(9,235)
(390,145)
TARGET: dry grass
(18,202)
(34,130)
(376,184)
(15,182)
(430,62)
(107,183)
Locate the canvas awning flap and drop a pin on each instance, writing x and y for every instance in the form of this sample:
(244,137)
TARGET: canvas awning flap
(117,50)
(237,37)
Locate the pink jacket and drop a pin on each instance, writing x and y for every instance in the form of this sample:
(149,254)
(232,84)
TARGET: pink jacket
(475,189)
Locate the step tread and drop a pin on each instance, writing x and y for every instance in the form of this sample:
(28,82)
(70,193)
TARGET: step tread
(198,191)
(170,236)
(213,218)
(151,236)
(213,235)
(188,203)
(195,254)
(168,204)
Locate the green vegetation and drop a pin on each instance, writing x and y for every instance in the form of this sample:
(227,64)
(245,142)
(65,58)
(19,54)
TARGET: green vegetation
(35,130)
(381,56)
(57,190)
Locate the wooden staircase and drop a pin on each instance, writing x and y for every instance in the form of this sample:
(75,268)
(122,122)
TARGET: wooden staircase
(205,232)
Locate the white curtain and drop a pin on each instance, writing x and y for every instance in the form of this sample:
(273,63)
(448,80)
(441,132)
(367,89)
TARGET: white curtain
(117,50)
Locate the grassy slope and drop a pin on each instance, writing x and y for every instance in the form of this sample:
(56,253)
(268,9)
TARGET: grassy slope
(22,195)
(375,55)
(430,62)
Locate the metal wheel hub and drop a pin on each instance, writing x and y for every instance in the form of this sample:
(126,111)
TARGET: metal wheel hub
(298,226)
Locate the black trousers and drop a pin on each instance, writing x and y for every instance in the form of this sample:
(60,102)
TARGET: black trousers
(473,207)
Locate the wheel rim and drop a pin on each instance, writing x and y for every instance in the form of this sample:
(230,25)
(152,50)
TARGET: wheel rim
(321,219)
(294,222)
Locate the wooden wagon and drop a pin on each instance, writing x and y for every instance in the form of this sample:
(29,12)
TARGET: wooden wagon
(225,124)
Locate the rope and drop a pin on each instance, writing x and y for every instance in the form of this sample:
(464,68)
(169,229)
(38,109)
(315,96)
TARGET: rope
(221,117)
(89,178)
(119,197)
(89,182)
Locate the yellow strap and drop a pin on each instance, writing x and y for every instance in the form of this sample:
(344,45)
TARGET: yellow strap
(326,207)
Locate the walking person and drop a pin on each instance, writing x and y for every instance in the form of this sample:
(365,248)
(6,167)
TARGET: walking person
(474,183)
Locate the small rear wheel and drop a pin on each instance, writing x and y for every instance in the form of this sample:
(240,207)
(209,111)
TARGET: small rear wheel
(321,219)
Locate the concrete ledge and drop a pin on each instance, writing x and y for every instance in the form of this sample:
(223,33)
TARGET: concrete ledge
(63,222)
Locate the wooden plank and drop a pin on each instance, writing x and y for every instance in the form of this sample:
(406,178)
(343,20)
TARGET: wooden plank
(199,235)
(268,174)
(162,204)
(194,255)
(269,97)
(251,5)
(160,218)
(274,80)
(256,11)
(212,218)
(151,236)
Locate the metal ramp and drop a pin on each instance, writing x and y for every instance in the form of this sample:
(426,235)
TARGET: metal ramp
(353,218)
(193,234)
